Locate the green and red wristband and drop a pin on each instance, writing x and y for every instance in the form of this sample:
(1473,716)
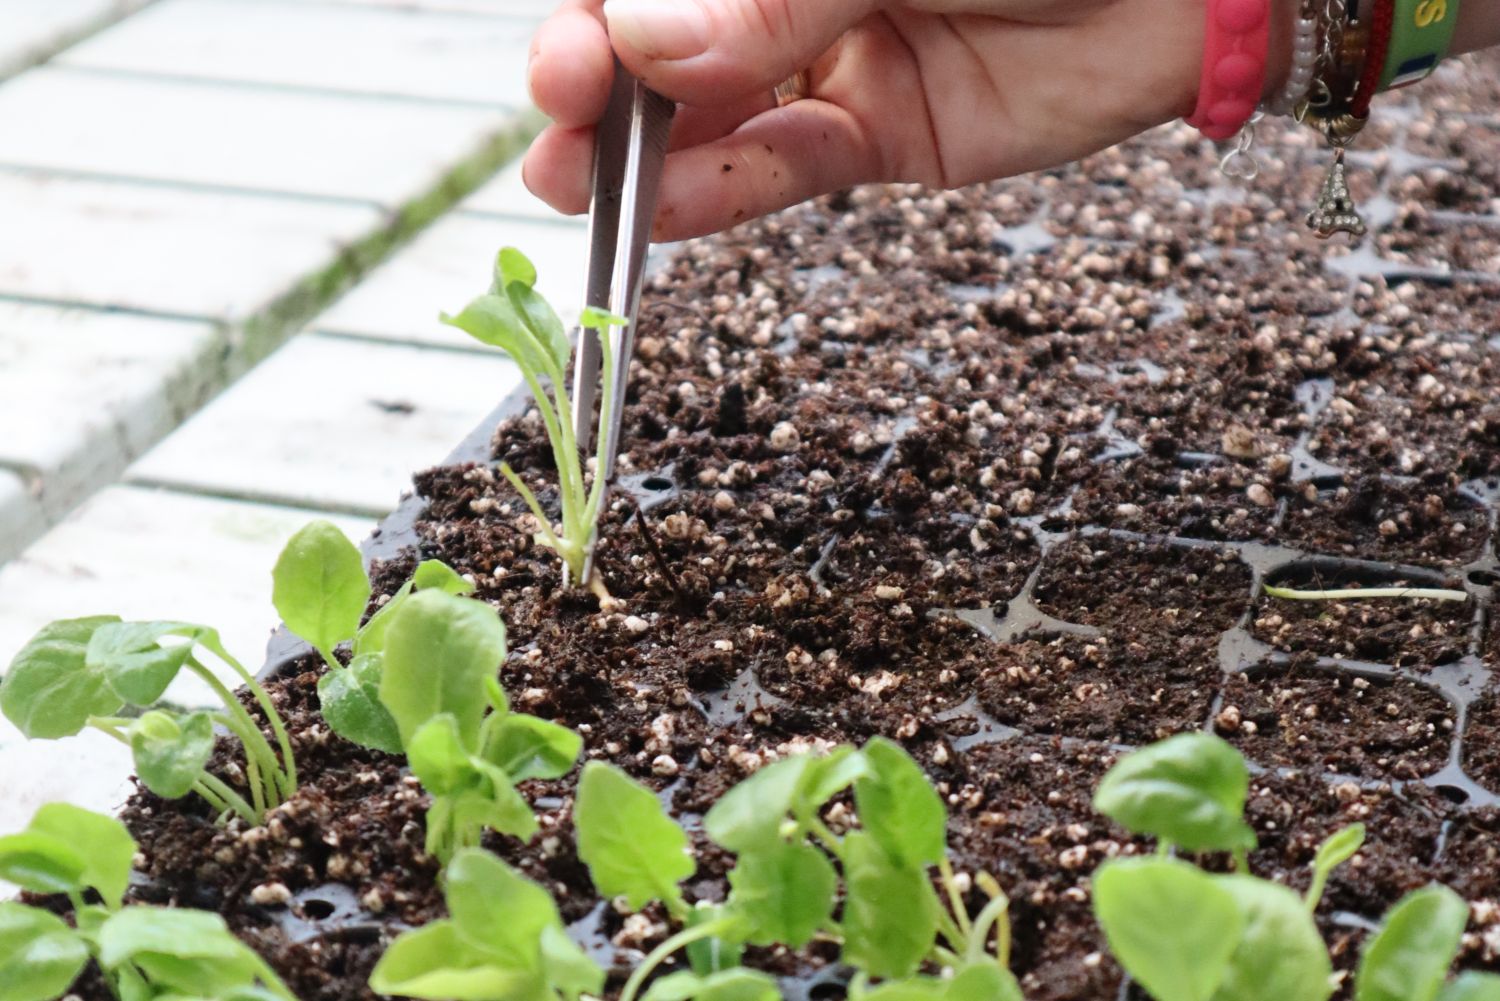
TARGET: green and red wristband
(1421,34)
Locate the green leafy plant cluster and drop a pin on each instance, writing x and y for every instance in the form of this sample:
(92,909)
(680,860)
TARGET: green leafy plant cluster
(145,953)
(440,684)
(503,938)
(422,680)
(514,317)
(1189,935)
(320,590)
(871,890)
(109,675)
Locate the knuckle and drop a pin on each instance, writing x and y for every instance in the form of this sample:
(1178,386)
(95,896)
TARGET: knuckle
(771,18)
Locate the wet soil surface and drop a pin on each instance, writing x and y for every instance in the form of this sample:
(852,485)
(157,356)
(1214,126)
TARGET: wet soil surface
(999,474)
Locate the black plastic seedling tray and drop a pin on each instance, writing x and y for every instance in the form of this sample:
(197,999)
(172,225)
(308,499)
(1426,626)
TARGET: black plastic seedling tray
(1056,528)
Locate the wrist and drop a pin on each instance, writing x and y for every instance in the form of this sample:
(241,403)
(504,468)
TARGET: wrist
(1478,26)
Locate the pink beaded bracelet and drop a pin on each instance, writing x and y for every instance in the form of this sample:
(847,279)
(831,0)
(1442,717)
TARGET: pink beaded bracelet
(1236,47)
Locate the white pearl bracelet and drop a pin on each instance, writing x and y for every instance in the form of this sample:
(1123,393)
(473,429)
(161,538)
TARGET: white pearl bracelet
(1304,62)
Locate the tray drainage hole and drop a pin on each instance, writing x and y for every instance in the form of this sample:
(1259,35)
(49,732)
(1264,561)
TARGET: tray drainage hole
(1452,794)
(657,484)
(317,910)
(1484,578)
(826,991)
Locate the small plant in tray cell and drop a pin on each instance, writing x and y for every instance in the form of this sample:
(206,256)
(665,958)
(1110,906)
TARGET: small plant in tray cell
(1185,934)
(144,953)
(439,685)
(512,316)
(320,589)
(791,873)
(109,675)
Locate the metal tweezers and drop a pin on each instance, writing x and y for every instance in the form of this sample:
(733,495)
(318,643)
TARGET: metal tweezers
(629,155)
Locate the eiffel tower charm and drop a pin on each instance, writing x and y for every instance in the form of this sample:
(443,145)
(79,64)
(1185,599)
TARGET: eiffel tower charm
(1336,211)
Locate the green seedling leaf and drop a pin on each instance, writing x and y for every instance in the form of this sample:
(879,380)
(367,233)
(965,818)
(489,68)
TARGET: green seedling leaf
(40,956)
(183,950)
(899,807)
(494,694)
(171,752)
(1170,925)
(1188,790)
(435,575)
(244,994)
(107,849)
(985,981)
(430,575)
(350,702)
(493,320)
(750,815)
(133,661)
(526,747)
(884,940)
(826,776)
(167,931)
(601,320)
(438,758)
(370,639)
(41,863)
(515,277)
(506,809)
(497,910)
(1338,848)
(785,893)
(738,984)
(439,649)
(50,690)
(1408,958)
(717,952)
(319,586)
(632,848)
(910,989)
(1280,953)
(567,968)
(513,266)
(544,323)
(435,962)
(1472,987)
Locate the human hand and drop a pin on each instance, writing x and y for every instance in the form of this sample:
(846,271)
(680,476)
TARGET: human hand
(940,92)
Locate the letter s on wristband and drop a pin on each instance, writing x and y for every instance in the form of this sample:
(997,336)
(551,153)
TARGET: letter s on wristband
(1236,47)
(1420,37)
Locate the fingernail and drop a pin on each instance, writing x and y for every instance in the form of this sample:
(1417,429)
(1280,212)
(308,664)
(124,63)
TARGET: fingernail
(660,29)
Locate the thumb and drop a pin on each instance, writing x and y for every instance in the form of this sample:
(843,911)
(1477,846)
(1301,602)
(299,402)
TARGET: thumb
(709,52)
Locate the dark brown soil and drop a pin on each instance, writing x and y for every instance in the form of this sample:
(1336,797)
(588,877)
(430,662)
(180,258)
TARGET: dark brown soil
(1413,633)
(1306,718)
(994,473)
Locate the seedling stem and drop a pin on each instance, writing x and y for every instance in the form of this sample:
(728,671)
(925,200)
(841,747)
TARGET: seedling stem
(1356,593)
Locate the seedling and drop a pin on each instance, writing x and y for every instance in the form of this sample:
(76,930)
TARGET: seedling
(320,589)
(79,673)
(1188,935)
(784,887)
(1409,957)
(1361,593)
(512,316)
(503,940)
(143,952)
(442,653)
